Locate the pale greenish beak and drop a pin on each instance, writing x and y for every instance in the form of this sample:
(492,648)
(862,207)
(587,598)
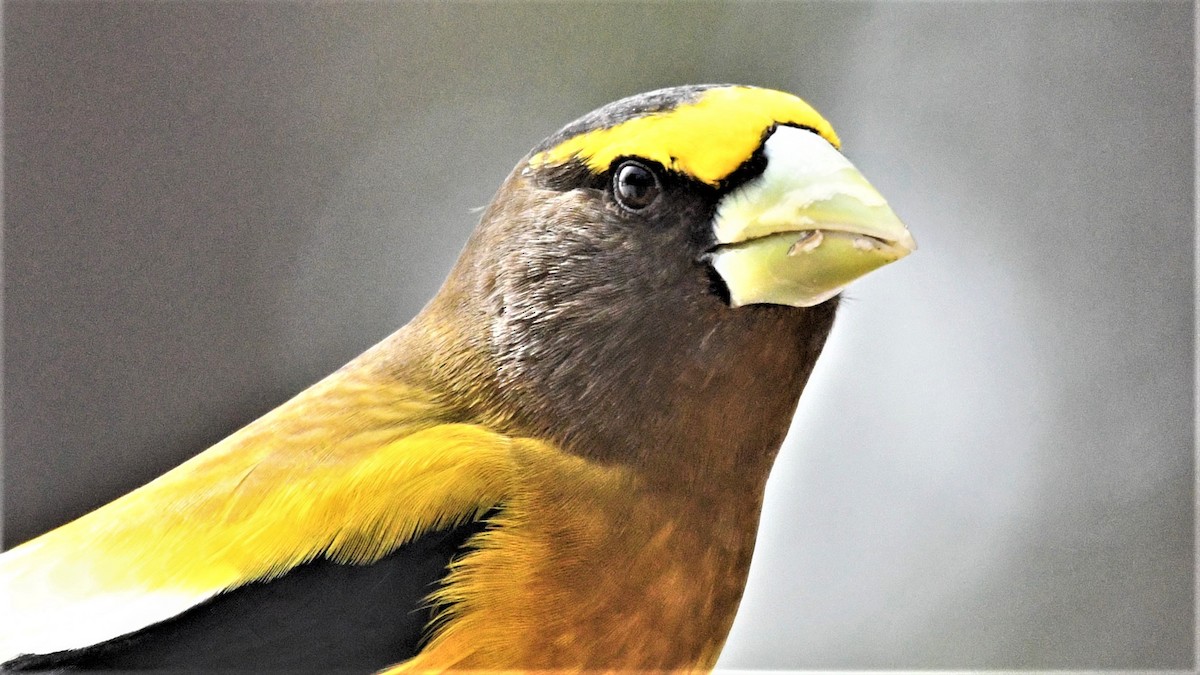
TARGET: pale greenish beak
(805,228)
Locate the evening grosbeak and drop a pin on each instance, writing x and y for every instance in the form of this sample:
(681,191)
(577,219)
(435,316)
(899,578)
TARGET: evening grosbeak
(558,464)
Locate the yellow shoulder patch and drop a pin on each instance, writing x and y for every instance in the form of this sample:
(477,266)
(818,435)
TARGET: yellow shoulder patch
(708,138)
(349,470)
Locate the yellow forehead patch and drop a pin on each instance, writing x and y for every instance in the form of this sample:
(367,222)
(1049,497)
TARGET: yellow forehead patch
(708,138)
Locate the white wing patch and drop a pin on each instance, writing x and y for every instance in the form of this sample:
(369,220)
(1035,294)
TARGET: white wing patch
(46,608)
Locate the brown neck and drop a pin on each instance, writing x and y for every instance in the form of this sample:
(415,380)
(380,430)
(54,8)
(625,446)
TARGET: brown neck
(705,412)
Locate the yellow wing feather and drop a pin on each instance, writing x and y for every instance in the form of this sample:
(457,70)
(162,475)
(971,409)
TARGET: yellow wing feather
(350,469)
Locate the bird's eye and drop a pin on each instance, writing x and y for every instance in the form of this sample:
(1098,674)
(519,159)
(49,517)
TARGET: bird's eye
(635,186)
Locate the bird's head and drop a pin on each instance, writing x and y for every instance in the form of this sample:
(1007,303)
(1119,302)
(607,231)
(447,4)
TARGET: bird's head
(665,269)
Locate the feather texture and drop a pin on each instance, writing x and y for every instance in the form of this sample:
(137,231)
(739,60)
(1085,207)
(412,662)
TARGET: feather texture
(350,469)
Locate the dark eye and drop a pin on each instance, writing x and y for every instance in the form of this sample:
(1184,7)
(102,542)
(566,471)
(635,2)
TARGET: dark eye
(635,186)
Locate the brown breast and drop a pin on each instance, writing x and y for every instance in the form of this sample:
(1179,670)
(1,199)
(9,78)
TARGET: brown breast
(591,568)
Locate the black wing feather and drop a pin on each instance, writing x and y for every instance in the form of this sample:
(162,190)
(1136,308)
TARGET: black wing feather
(319,617)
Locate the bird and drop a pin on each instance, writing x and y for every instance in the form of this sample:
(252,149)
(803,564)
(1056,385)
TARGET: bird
(558,463)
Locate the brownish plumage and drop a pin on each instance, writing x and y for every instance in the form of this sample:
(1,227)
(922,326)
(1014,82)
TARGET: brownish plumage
(605,379)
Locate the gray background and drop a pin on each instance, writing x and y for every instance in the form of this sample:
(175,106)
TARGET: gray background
(210,206)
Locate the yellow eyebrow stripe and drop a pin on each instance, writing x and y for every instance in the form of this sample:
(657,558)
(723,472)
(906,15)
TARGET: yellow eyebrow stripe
(707,139)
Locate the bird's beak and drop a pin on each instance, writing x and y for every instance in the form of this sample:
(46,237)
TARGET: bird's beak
(804,229)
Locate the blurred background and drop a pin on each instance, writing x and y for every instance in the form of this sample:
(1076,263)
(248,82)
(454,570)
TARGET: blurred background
(209,206)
